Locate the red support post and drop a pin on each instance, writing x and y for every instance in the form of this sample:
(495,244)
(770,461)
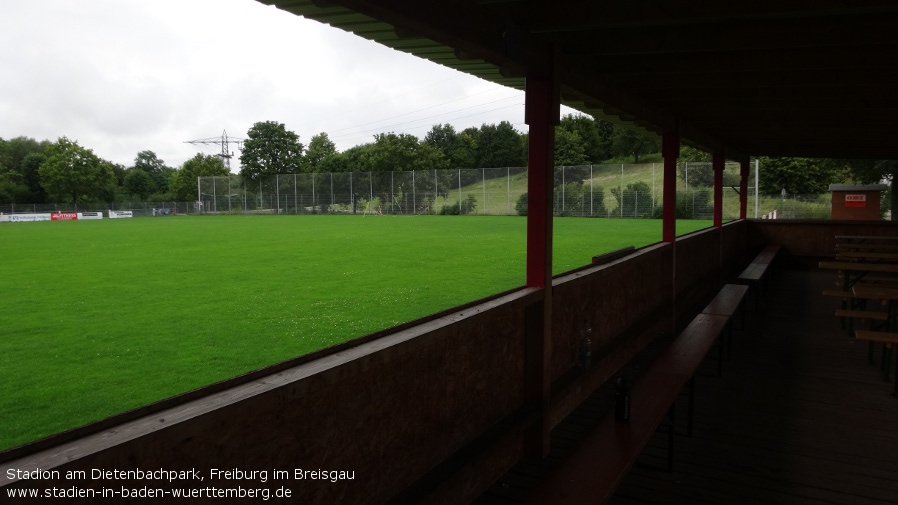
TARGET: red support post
(670,150)
(539,108)
(717,164)
(744,170)
(542,111)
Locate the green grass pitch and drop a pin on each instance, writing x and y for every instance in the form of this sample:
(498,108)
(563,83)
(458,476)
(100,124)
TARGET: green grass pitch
(104,316)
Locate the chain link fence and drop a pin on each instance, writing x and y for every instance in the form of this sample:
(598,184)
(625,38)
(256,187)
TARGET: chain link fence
(629,191)
(621,191)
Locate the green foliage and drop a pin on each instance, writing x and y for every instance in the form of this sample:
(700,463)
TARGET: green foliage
(320,147)
(568,199)
(466,206)
(403,152)
(628,142)
(74,174)
(268,150)
(458,149)
(799,176)
(695,204)
(569,148)
(635,200)
(689,153)
(696,174)
(588,130)
(498,146)
(138,183)
(520,205)
(160,174)
(183,184)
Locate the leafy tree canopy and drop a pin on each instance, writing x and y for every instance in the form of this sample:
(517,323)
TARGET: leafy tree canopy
(270,149)
(320,147)
(631,143)
(183,185)
(587,129)
(799,176)
(75,174)
(569,148)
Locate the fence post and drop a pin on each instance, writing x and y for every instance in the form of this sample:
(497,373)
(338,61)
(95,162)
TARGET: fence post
(508,187)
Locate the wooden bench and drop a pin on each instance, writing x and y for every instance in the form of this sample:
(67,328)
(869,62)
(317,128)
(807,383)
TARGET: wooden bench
(756,273)
(888,340)
(594,470)
(728,301)
(874,315)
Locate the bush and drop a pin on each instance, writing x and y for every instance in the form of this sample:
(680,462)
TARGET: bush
(467,206)
(521,205)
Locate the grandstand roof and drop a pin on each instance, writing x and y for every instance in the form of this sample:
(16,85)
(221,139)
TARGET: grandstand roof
(812,78)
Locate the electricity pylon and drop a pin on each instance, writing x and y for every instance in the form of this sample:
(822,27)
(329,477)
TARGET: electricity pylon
(225,154)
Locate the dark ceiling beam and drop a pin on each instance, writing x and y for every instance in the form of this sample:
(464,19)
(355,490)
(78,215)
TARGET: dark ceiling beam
(818,82)
(562,16)
(817,34)
(872,59)
(472,30)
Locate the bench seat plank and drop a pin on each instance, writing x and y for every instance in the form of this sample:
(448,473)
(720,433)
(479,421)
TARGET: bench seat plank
(689,349)
(767,255)
(877,336)
(596,468)
(862,314)
(727,300)
(753,272)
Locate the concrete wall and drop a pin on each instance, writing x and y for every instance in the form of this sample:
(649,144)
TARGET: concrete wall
(433,412)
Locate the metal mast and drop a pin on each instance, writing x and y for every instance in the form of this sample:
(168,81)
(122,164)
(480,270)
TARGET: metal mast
(225,153)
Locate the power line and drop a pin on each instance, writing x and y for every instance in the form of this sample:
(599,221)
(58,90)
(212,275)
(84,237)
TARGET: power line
(358,134)
(425,108)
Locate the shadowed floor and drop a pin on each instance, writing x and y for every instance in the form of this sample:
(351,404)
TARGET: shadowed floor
(799,417)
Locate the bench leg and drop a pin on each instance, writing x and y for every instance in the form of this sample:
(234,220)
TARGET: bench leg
(721,345)
(671,432)
(689,414)
(887,351)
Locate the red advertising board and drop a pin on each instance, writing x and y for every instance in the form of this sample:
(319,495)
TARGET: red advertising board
(63,216)
(855,200)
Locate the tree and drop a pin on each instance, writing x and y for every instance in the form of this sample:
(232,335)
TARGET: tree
(320,147)
(874,172)
(464,152)
(75,174)
(149,163)
(139,183)
(442,137)
(635,200)
(498,146)
(569,148)
(606,131)
(30,166)
(12,187)
(403,152)
(268,150)
(628,142)
(696,174)
(799,176)
(183,184)
(588,131)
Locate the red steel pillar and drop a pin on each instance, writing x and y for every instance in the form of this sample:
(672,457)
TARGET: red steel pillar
(542,111)
(717,164)
(541,115)
(744,170)
(670,150)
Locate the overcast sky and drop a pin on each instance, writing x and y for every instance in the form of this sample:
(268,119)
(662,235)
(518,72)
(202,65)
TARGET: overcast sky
(123,76)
